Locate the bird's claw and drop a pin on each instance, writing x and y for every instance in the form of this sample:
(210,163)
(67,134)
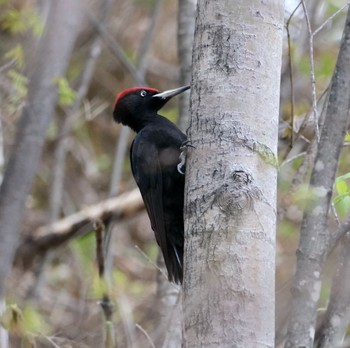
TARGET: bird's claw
(184,146)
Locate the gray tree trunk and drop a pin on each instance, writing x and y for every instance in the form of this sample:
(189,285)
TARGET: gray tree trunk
(53,57)
(314,236)
(185,33)
(230,215)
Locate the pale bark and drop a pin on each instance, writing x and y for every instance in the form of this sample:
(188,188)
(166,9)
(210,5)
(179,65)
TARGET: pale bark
(185,32)
(230,216)
(315,237)
(52,60)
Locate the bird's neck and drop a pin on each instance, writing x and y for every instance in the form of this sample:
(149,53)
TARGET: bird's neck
(138,124)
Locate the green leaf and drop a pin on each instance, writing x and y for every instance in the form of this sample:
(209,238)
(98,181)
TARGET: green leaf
(12,20)
(20,21)
(343,177)
(342,204)
(341,186)
(20,83)
(17,55)
(66,94)
(347,137)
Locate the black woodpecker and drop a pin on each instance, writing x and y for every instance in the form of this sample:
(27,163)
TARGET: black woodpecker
(157,167)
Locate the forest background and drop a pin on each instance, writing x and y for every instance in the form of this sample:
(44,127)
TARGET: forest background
(55,283)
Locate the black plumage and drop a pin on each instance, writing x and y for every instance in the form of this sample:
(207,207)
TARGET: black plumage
(155,162)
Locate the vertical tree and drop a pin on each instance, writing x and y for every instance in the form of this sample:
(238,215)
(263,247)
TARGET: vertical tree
(52,61)
(315,239)
(231,175)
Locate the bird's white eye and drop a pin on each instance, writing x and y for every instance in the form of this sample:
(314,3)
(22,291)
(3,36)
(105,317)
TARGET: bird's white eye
(143,93)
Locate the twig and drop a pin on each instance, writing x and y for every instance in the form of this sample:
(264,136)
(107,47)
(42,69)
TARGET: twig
(337,235)
(329,19)
(149,339)
(142,56)
(116,49)
(312,71)
(290,65)
(150,261)
(105,303)
(291,159)
(99,229)
(7,65)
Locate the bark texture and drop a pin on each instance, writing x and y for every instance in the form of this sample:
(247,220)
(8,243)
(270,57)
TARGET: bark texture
(231,175)
(314,236)
(185,32)
(52,61)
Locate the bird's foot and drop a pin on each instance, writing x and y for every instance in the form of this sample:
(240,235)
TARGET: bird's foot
(181,167)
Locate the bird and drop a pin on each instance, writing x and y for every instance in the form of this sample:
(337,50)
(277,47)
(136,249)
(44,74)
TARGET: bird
(157,165)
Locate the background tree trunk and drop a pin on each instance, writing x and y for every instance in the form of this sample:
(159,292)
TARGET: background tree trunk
(52,61)
(314,235)
(231,175)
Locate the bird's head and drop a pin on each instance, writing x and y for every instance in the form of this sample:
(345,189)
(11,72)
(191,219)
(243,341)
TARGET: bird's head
(135,104)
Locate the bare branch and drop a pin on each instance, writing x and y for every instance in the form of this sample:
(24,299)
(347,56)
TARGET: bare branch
(54,235)
(291,75)
(312,71)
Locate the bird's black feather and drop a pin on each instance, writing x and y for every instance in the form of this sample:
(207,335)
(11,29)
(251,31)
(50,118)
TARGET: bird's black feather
(154,157)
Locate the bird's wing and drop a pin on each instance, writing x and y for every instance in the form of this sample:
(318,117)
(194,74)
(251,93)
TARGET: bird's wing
(147,172)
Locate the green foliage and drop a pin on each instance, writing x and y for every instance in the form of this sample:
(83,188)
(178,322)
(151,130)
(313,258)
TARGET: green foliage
(287,229)
(20,85)
(104,162)
(171,114)
(17,55)
(85,249)
(19,21)
(347,137)
(266,154)
(23,321)
(304,197)
(66,94)
(342,200)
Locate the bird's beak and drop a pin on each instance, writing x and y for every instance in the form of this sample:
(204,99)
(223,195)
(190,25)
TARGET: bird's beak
(171,93)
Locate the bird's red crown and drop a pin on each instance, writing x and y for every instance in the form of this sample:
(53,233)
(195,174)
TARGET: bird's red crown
(133,89)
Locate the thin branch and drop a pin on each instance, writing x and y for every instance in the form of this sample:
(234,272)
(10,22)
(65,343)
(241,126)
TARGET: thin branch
(149,339)
(335,237)
(151,262)
(116,50)
(291,159)
(329,19)
(312,71)
(290,65)
(105,303)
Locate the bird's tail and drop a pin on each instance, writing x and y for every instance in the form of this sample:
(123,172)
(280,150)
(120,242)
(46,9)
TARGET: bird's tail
(174,264)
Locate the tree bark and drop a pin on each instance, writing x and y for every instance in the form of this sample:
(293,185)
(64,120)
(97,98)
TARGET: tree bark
(331,333)
(314,235)
(230,198)
(185,33)
(52,61)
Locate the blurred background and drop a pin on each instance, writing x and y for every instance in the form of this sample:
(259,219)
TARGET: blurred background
(54,288)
